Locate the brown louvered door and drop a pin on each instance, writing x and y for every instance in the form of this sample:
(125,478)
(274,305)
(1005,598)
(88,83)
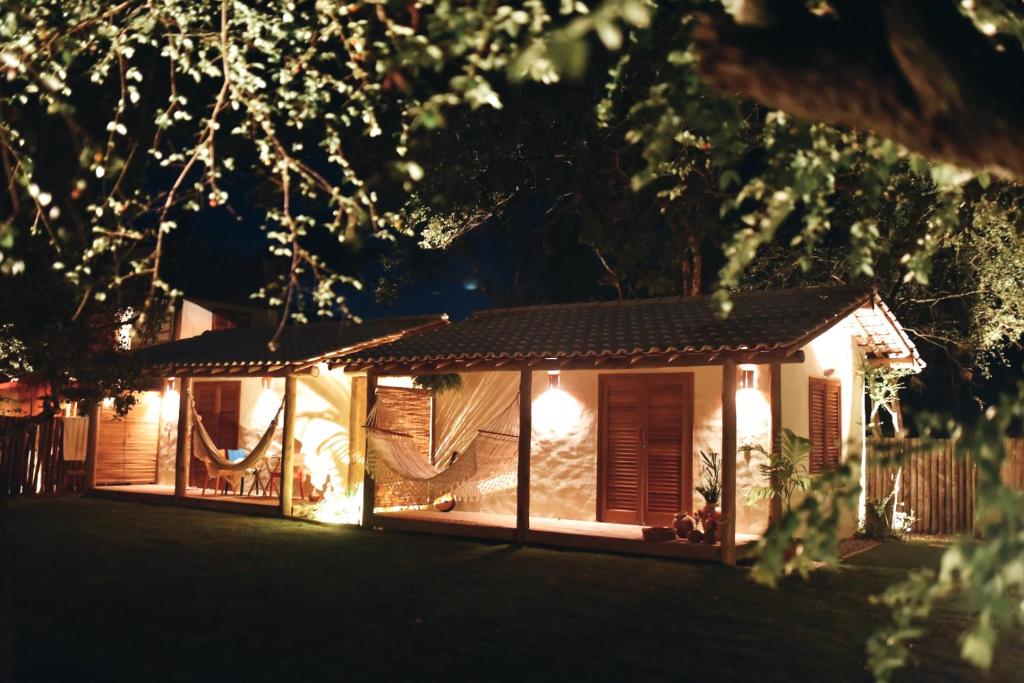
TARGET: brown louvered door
(646,448)
(825,423)
(622,421)
(219,404)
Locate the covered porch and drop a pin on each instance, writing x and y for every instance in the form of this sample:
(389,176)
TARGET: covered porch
(525,513)
(615,400)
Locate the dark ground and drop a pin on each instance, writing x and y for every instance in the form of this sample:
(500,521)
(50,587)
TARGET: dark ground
(123,592)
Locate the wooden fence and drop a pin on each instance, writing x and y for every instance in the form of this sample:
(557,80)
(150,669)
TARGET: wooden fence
(32,457)
(935,487)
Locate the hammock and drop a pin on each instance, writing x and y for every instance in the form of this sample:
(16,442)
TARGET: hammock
(403,471)
(219,466)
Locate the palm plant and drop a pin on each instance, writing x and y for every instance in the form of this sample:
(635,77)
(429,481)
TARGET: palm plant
(711,478)
(786,470)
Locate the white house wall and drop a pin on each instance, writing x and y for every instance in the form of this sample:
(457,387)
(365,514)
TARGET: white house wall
(833,355)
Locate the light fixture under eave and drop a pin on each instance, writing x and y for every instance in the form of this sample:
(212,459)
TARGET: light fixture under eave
(747,377)
(170,403)
(553,376)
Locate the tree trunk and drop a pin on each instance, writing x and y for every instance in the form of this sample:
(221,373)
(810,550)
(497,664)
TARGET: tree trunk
(919,73)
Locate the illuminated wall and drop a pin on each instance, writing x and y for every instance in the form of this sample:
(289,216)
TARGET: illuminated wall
(835,355)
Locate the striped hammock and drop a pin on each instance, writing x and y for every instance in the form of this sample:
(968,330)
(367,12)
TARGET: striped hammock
(407,477)
(217,465)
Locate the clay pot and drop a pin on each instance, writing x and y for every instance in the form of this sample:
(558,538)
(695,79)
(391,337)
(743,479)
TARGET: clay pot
(710,528)
(708,512)
(694,536)
(684,524)
(445,505)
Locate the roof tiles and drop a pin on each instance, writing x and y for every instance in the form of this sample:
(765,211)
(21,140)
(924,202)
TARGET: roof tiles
(759,320)
(297,343)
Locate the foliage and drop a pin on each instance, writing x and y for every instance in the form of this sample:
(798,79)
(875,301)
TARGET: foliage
(986,571)
(120,122)
(439,384)
(711,477)
(815,521)
(786,470)
(881,524)
(882,384)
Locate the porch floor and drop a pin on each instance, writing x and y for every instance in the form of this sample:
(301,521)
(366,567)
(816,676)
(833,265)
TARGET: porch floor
(194,497)
(566,533)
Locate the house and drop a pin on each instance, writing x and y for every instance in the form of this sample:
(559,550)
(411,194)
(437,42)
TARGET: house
(622,396)
(575,425)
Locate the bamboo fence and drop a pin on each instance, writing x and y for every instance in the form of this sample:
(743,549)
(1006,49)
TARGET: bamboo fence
(936,487)
(32,457)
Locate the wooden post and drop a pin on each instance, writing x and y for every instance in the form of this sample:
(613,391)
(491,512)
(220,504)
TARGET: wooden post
(369,485)
(523,471)
(183,448)
(288,448)
(729,461)
(91,444)
(775,395)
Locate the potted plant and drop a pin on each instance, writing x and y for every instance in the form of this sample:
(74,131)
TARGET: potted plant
(711,483)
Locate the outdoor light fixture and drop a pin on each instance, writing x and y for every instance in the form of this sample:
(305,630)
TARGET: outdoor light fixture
(553,379)
(170,403)
(746,378)
(266,382)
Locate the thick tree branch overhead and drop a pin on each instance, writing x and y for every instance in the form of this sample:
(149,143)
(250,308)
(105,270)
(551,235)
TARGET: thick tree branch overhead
(916,71)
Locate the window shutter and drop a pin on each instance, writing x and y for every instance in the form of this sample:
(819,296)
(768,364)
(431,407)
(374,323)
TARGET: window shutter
(833,426)
(825,424)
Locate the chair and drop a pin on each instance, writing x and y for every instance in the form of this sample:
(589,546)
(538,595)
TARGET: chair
(298,467)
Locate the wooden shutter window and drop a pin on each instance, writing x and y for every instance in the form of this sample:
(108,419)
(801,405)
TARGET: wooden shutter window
(825,424)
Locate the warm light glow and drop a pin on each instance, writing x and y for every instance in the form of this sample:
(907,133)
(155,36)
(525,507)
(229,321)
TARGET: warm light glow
(555,413)
(553,379)
(753,417)
(108,402)
(169,404)
(266,407)
(340,507)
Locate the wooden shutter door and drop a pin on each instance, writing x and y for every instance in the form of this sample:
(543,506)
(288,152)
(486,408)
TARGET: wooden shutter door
(669,447)
(622,418)
(825,424)
(219,405)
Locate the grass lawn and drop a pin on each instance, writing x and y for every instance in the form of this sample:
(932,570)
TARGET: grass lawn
(123,592)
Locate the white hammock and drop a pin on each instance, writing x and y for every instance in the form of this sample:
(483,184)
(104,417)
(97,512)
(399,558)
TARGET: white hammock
(219,466)
(406,477)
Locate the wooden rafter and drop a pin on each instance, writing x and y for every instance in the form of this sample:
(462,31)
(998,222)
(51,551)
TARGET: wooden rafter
(632,361)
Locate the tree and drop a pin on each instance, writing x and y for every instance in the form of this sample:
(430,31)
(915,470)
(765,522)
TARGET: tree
(117,121)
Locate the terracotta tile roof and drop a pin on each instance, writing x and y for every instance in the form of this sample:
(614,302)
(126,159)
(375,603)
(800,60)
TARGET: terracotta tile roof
(297,344)
(760,320)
